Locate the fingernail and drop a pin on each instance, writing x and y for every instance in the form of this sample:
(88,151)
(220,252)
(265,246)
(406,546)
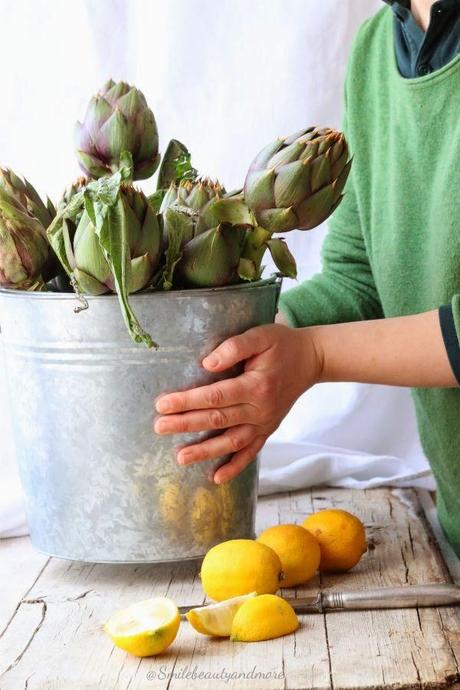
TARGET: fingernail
(211,361)
(160,427)
(184,457)
(163,405)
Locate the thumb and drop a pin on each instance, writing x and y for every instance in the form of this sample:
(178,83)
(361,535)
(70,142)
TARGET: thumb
(236,349)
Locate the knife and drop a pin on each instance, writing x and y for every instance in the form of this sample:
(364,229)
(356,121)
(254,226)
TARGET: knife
(411,596)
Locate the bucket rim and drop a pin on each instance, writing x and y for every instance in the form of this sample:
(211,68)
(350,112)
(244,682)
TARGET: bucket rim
(274,280)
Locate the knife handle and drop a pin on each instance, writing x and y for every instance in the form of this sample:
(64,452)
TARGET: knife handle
(411,596)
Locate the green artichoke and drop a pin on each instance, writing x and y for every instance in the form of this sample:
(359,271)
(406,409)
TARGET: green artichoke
(90,266)
(24,250)
(211,259)
(117,121)
(205,233)
(27,196)
(297,181)
(193,195)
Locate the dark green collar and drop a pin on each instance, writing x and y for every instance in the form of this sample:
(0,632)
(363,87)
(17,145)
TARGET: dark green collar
(418,52)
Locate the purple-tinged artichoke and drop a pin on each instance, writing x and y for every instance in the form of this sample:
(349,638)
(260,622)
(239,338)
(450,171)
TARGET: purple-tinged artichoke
(297,181)
(117,121)
(24,250)
(27,196)
(90,267)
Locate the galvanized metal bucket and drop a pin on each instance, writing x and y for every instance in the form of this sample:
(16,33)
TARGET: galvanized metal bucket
(99,485)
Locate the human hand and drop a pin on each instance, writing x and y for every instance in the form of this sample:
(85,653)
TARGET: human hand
(280,363)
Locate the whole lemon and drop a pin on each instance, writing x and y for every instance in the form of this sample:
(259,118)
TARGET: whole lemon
(240,566)
(341,537)
(298,550)
(263,618)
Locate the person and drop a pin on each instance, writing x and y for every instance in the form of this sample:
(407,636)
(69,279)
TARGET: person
(386,307)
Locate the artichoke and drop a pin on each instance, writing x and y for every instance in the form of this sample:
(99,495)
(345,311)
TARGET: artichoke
(193,195)
(27,196)
(205,232)
(91,268)
(297,181)
(118,121)
(24,250)
(211,259)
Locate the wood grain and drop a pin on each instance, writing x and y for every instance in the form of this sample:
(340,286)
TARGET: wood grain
(53,611)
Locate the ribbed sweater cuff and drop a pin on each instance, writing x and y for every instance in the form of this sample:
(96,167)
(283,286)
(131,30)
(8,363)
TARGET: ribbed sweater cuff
(449,334)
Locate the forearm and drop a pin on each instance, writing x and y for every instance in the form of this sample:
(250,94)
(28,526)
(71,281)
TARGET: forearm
(402,351)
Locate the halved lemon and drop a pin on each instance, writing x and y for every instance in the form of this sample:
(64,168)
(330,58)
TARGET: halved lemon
(217,619)
(145,628)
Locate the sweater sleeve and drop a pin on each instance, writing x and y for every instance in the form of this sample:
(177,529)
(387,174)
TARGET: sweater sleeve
(345,288)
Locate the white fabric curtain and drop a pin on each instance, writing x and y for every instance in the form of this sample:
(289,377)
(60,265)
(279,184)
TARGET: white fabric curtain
(225,78)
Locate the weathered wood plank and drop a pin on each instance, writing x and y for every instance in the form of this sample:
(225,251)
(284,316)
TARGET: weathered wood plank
(20,567)
(399,648)
(55,640)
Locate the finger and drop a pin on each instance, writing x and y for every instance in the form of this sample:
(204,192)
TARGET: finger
(230,441)
(237,349)
(204,420)
(239,461)
(220,394)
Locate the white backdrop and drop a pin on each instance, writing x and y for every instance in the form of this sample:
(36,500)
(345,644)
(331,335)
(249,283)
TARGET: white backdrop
(226,79)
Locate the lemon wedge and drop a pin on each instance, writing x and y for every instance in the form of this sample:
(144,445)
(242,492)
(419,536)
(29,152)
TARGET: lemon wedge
(263,618)
(217,619)
(146,628)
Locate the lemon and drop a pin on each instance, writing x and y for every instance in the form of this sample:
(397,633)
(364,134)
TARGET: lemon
(217,619)
(145,628)
(204,517)
(298,550)
(240,566)
(341,537)
(263,618)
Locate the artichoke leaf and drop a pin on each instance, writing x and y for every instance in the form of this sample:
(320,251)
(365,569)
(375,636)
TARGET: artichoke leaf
(177,229)
(232,210)
(111,228)
(172,166)
(247,269)
(282,257)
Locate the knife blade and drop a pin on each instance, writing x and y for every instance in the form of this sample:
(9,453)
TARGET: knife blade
(409,596)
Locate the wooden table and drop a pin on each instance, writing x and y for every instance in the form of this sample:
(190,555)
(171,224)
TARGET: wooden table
(51,613)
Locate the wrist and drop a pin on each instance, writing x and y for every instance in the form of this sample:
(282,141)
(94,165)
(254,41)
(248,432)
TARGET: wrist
(312,349)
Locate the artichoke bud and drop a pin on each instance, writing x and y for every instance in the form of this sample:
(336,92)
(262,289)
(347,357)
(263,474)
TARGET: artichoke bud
(117,120)
(90,264)
(192,194)
(297,181)
(24,249)
(211,259)
(27,196)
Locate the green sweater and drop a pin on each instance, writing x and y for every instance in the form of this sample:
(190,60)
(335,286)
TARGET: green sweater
(393,246)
